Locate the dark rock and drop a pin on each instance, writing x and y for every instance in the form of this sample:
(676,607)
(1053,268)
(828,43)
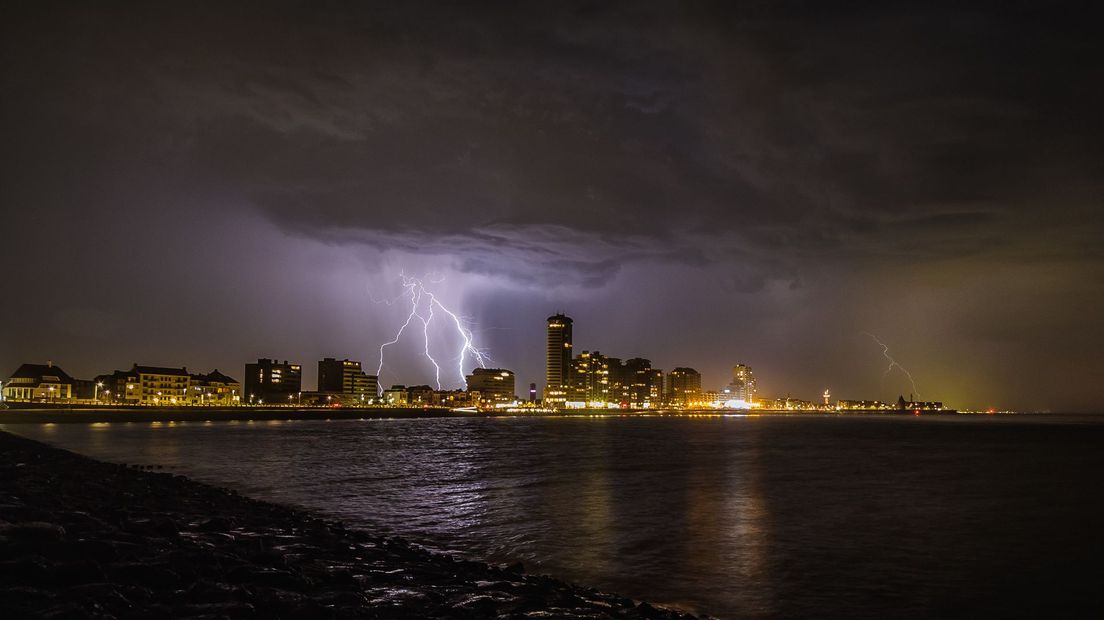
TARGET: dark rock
(34,532)
(101,551)
(252,575)
(215,524)
(29,571)
(213,592)
(224,609)
(78,572)
(149,574)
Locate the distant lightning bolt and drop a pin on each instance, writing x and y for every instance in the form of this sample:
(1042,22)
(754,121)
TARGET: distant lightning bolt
(425,331)
(424,311)
(893,364)
(410,317)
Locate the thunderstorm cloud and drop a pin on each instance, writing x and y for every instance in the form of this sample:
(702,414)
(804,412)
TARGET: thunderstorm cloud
(698,183)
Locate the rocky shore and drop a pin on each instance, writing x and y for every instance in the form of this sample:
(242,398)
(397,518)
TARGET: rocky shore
(80,538)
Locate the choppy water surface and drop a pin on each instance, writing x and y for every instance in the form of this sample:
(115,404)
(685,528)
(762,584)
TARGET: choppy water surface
(734,516)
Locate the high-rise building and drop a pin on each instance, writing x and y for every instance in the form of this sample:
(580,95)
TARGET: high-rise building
(588,382)
(273,382)
(620,382)
(494,385)
(683,387)
(743,383)
(558,360)
(345,378)
(645,384)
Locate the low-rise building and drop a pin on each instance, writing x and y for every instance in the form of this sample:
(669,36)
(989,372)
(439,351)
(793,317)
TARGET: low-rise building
(39,383)
(494,385)
(420,395)
(120,386)
(214,389)
(396,396)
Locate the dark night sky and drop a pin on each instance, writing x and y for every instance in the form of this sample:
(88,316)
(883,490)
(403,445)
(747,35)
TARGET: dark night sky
(702,184)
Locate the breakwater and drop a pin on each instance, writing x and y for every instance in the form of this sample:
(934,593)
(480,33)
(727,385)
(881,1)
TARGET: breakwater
(81,538)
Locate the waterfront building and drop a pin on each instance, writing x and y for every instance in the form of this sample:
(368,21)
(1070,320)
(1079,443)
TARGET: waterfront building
(645,384)
(557,360)
(344,379)
(120,386)
(532,393)
(588,381)
(494,385)
(214,389)
(790,404)
(395,396)
(619,382)
(273,382)
(421,395)
(453,398)
(39,382)
(683,387)
(742,388)
(913,404)
(158,385)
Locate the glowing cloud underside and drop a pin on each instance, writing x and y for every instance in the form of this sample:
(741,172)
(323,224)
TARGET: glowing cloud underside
(893,364)
(422,305)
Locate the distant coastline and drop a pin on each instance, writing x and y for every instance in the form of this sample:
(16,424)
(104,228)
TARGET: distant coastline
(40,413)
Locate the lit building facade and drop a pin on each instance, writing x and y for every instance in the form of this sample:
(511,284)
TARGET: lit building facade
(39,382)
(588,382)
(557,360)
(214,389)
(420,395)
(396,396)
(120,386)
(645,384)
(344,379)
(683,387)
(494,385)
(272,382)
(742,387)
(159,385)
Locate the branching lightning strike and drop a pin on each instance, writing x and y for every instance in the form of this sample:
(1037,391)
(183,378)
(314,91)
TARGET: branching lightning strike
(422,304)
(893,364)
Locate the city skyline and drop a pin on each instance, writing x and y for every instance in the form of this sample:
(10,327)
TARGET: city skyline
(695,183)
(573,379)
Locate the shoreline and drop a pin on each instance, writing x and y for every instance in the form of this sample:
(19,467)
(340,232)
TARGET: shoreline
(85,538)
(45,414)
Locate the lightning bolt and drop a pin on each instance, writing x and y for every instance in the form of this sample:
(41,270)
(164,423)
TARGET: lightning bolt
(893,364)
(422,305)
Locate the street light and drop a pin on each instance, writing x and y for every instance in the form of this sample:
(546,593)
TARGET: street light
(96,392)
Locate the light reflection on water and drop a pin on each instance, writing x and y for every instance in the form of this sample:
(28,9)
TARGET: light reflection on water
(735,516)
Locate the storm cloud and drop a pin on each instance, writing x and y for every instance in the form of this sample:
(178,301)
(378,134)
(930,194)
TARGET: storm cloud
(797,173)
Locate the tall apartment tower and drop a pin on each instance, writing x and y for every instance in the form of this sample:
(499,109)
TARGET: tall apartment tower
(743,383)
(683,387)
(558,360)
